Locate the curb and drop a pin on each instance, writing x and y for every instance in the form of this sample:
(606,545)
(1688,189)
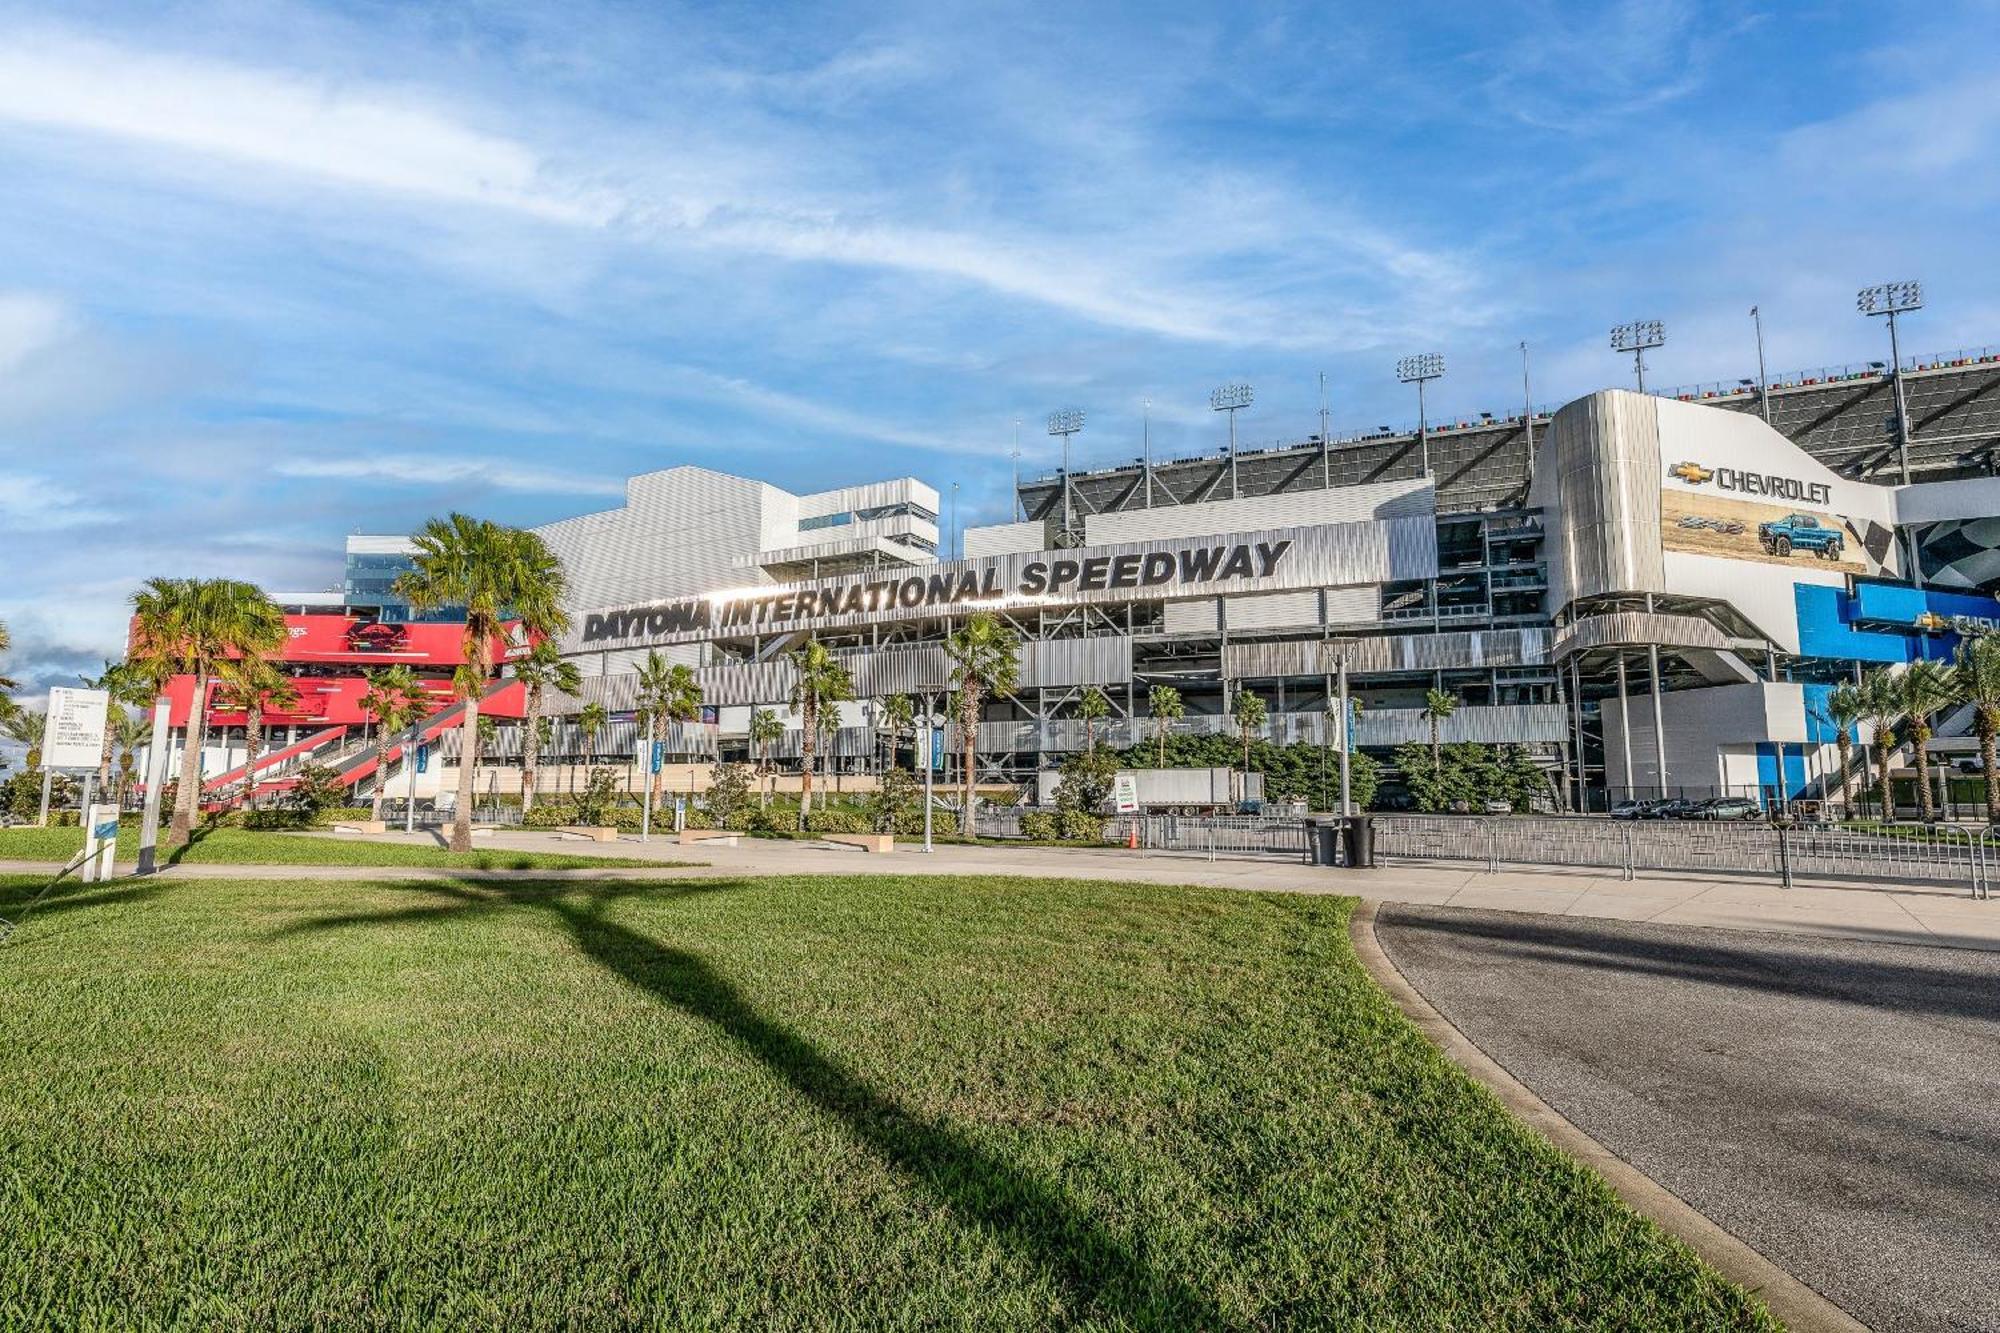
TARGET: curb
(1794,1303)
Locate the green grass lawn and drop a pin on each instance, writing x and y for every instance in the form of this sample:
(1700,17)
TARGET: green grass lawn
(233,846)
(767,1103)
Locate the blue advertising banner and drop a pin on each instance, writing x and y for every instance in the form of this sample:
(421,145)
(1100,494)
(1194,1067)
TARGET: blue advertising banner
(659,758)
(937,750)
(423,759)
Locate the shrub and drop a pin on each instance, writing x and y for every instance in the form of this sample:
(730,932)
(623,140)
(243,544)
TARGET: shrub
(728,793)
(1087,781)
(896,798)
(317,789)
(1079,825)
(1039,826)
(837,821)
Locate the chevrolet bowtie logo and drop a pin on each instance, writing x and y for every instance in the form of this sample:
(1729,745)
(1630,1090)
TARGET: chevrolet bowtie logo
(1694,474)
(1931,620)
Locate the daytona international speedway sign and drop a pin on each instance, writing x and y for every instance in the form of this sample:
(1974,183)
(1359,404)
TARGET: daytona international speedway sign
(1330,555)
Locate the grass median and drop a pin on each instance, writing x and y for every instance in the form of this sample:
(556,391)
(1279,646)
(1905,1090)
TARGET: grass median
(234,846)
(778,1102)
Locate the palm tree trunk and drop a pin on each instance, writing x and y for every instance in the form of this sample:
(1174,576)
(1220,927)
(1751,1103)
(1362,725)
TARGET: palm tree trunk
(1437,755)
(1920,750)
(468,760)
(1986,760)
(253,744)
(187,796)
(531,751)
(968,723)
(1887,797)
(1846,798)
(809,715)
(1163,742)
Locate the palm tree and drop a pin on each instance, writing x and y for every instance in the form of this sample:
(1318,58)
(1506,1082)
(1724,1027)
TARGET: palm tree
(1884,704)
(1922,689)
(195,627)
(7,683)
(1976,679)
(668,692)
(1250,713)
(899,716)
(127,688)
(766,730)
(542,670)
(397,702)
(493,572)
(985,656)
(1845,706)
(1164,703)
(819,679)
(590,723)
(255,684)
(1438,705)
(26,728)
(1091,707)
(132,730)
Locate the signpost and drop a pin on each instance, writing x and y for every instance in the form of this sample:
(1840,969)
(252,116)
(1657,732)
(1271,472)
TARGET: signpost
(100,842)
(156,781)
(74,737)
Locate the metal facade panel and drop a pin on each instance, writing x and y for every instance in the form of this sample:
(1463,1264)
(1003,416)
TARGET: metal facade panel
(1346,504)
(1192,617)
(1607,452)
(1272,560)
(1004,539)
(1385,653)
(1061,663)
(1353,606)
(1275,610)
(1515,723)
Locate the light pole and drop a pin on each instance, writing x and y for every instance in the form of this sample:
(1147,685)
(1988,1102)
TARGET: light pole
(1763,380)
(951,530)
(1635,338)
(1065,422)
(1146,445)
(1891,299)
(1231,398)
(1325,439)
(1528,411)
(1420,370)
(1015,454)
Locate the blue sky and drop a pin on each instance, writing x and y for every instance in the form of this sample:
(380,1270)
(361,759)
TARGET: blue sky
(271,273)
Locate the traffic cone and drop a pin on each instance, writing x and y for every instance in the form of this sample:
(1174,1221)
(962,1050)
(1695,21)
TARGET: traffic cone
(1132,839)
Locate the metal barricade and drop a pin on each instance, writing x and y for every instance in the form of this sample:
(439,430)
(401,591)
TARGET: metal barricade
(1922,854)
(1210,835)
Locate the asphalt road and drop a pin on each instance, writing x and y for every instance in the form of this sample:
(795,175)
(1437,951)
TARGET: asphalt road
(1836,1105)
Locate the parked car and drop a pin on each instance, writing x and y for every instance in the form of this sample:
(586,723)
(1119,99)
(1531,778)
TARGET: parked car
(1800,532)
(1678,808)
(1648,809)
(1496,806)
(1735,808)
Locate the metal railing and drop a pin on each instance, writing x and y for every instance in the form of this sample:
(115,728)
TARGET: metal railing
(1923,854)
(1210,835)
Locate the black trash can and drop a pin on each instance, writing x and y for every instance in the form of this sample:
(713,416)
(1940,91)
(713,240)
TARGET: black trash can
(1360,833)
(1323,842)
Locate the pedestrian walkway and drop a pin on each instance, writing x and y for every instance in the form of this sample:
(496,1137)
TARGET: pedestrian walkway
(1899,914)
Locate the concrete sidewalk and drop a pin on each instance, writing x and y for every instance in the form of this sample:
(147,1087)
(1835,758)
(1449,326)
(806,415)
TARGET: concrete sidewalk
(1898,914)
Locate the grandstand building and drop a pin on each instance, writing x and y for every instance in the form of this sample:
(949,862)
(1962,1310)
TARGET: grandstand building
(1652,592)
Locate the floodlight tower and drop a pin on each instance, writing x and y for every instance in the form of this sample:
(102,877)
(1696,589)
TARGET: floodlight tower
(1015,454)
(1892,299)
(1066,422)
(1420,370)
(1231,398)
(1635,338)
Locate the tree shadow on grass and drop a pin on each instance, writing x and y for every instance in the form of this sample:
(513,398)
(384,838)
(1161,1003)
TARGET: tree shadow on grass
(1096,1271)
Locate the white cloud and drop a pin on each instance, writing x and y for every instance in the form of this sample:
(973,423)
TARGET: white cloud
(369,137)
(774,196)
(28,324)
(36,504)
(432,470)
